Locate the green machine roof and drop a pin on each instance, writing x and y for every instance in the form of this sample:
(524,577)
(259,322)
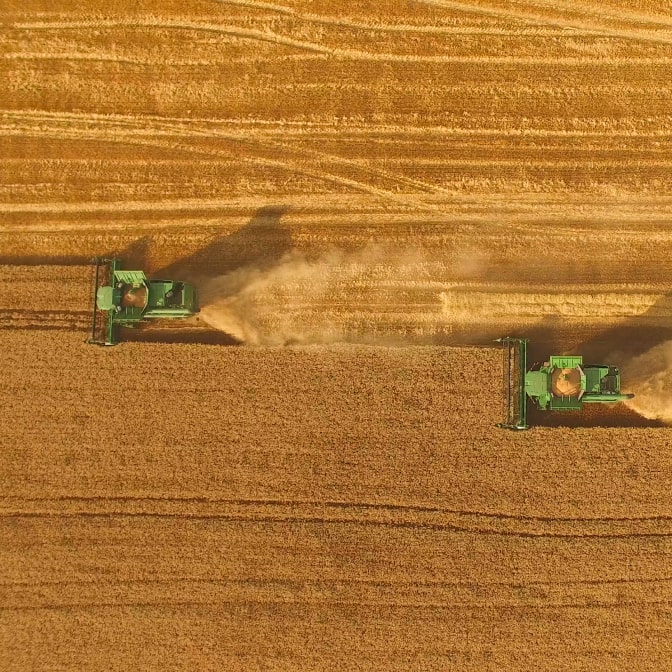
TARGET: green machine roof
(130,277)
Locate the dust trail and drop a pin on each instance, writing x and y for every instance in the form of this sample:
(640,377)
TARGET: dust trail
(649,376)
(259,307)
(387,296)
(303,299)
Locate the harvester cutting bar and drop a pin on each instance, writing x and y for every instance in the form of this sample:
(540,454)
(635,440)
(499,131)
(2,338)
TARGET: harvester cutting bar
(515,399)
(102,326)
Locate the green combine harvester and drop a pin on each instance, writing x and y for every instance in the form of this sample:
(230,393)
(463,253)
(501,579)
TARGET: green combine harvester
(563,383)
(127,298)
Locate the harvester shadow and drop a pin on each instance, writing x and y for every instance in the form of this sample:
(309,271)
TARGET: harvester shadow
(136,254)
(260,244)
(633,337)
(626,341)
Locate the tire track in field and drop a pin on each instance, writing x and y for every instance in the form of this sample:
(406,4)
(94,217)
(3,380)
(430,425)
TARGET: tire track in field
(269,163)
(342,590)
(117,60)
(73,56)
(609,12)
(393,516)
(103,58)
(355,54)
(360,581)
(536,18)
(50,294)
(323,19)
(469,302)
(38,320)
(299,128)
(186,128)
(573,6)
(480,125)
(205,130)
(92,128)
(111,133)
(232,31)
(302,152)
(163,603)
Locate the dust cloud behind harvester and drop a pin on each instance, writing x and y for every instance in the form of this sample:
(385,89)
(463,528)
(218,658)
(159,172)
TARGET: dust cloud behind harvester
(389,295)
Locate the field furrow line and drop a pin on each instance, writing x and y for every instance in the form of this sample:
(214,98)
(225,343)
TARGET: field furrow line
(344,513)
(625,128)
(360,55)
(302,153)
(345,591)
(74,56)
(259,161)
(232,31)
(349,581)
(165,603)
(357,55)
(586,161)
(582,26)
(392,508)
(323,19)
(168,126)
(144,63)
(43,319)
(602,11)
(111,132)
(113,135)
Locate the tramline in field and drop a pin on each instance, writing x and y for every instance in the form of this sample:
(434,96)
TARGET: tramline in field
(563,383)
(127,298)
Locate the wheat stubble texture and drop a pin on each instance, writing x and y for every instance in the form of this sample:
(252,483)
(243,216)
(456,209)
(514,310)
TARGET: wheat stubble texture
(365,194)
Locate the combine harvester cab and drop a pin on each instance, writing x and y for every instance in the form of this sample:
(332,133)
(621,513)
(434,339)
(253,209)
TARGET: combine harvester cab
(563,383)
(126,298)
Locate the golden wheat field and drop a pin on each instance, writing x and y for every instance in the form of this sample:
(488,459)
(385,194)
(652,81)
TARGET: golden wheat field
(307,475)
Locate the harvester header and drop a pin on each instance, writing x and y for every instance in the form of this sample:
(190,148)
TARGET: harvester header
(563,383)
(127,298)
